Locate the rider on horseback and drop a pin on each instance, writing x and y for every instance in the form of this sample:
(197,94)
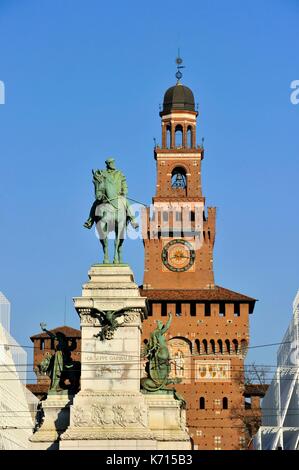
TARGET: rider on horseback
(117,178)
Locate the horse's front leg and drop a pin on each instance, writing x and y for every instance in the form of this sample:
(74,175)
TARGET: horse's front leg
(120,251)
(104,241)
(120,245)
(116,248)
(116,259)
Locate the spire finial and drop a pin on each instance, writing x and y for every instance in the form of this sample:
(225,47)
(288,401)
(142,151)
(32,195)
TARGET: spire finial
(179,66)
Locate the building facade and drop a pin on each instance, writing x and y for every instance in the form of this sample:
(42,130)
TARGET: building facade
(280,407)
(209,333)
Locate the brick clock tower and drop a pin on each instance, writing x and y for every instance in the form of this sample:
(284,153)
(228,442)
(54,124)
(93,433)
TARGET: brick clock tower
(209,333)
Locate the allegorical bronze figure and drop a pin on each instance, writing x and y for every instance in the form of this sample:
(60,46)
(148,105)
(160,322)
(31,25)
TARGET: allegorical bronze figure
(60,367)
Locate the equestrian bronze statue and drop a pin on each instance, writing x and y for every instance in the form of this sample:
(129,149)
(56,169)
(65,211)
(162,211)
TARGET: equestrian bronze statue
(111,210)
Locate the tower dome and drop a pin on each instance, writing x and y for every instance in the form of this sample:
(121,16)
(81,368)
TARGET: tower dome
(178,97)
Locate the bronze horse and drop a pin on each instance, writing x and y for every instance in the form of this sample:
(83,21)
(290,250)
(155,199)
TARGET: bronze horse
(110,216)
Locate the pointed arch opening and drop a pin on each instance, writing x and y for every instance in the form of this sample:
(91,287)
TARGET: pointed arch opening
(180,350)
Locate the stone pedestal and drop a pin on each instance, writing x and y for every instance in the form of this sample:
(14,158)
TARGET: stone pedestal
(167,421)
(56,409)
(110,412)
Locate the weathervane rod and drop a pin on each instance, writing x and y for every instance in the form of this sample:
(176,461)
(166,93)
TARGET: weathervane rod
(179,62)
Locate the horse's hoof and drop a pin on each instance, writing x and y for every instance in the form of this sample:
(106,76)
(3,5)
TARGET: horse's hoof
(115,261)
(106,261)
(87,225)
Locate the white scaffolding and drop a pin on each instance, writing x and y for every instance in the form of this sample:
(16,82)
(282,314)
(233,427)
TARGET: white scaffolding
(280,407)
(17,404)
(4,312)
(19,355)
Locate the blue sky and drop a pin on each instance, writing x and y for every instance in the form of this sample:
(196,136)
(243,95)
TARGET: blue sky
(84,80)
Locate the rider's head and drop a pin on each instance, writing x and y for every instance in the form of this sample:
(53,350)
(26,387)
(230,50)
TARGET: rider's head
(110,163)
(159,324)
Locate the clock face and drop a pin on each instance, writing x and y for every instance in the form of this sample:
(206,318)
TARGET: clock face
(178,255)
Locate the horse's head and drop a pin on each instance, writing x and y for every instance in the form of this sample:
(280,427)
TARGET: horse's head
(99,185)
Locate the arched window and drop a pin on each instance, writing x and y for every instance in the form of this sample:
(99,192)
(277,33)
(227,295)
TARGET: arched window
(220,346)
(212,342)
(225,403)
(178,178)
(168,136)
(197,343)
(235,345)
(178,136)
(227,345)
(202,403)
(189,137)
(205,346)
